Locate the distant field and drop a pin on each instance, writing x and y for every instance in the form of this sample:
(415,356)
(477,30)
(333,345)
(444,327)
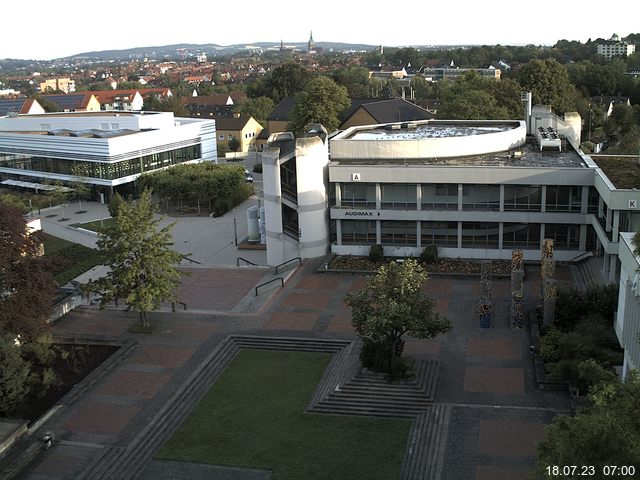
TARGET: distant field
(74,259)
(253,417)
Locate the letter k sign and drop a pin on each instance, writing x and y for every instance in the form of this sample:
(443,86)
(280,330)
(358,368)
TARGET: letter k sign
(633,204)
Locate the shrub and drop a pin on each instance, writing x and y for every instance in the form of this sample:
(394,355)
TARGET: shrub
(376,253)
(429,254)
(257,168)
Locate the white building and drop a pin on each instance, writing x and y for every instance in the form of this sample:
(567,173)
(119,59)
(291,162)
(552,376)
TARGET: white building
(615,47)
(627,322)
(107,150)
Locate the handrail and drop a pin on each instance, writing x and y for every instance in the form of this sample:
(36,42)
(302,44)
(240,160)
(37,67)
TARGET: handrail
(173,305)
(577,258)
(270,281)
(288,261)
(186,257)
(244,260)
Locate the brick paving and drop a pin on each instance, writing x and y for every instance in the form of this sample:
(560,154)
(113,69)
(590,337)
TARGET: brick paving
(497,413)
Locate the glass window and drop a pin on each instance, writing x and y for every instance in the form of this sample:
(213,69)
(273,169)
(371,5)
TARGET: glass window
(521,235)
(481,197)
(358,195)
(398,195)
(480,235)
(290,222)
(442,234)
(358,232)
(522,198)
(398,233)
(565,237)
(563,198)
(440,196)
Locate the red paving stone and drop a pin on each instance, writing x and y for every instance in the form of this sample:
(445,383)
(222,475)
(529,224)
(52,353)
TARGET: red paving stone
(510,438)
(163,355)
(102,418)
(217,288)
(292,321)
(187,331)
(494,380)
(142,385)
(499,348)
(308,300)
(438,286)
(341,322)
(358,284)
(442,306)
(484,472)
(329,283)
(422,347)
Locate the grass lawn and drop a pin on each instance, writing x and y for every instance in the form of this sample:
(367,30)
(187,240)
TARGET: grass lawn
(74,259)
(253,417)
(624,172)
(94,226)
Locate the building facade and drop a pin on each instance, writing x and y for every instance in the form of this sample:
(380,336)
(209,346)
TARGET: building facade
(107,150)
(615,47)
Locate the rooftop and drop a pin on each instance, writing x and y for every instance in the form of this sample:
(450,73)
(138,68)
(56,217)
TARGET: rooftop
(410,131)
(623,171)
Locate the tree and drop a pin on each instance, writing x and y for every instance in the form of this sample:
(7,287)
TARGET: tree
(606,432)
(26,281)
(285,81)
(234,144)
(15,375)
(322,101)
(259,108)
(354,79)
(549,84)
(391,305)
(141,261)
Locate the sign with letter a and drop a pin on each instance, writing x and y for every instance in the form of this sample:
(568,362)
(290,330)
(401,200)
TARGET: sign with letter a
(355,177)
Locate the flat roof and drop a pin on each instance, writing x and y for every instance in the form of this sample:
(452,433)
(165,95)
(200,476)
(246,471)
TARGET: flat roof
(622,170)
(101,113)
(414,131)
(527,155)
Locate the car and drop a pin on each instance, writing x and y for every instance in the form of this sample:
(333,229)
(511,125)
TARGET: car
(248,178)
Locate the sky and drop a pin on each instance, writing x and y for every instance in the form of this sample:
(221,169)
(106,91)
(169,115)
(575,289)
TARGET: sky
(48,31)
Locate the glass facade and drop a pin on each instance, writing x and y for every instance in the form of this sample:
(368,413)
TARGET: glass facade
(442,234)
(289,180)
(522,198)
(565,237)
(361,195)
(401,196)
(440,196)
(102,170)
(563,199)
(290,222)
(399,233)
(481,197)
(480,235)
(521,235)
(356,232)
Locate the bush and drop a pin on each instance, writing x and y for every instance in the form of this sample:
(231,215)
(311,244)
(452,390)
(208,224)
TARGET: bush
(429,254)
(376,254)
(572,305)
(376,355)
(257,168)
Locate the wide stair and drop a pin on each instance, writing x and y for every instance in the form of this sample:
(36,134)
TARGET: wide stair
(367,393)
(424,458)
(588,272)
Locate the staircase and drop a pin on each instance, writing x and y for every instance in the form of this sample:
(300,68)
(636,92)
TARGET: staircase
(588,272)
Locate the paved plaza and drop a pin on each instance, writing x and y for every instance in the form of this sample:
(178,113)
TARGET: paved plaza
(497,412)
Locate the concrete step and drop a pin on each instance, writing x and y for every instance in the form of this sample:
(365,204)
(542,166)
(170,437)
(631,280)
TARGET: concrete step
(351,410)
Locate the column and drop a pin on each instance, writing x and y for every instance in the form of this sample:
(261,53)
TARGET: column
(584,205)
(600,205)
(500,233)
(542,235)
(605,263)
(418,233)
(460,191)
(459,234)
(378,198)
(616,225)
(583,238)
(339,232)
(613,268)
(502,198)
(543,199)
(338,195)
(419,197)
(378,233)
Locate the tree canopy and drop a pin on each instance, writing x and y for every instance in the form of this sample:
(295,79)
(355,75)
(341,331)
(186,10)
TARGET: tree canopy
(26,281)
(142,264)
(259,108)
(392,304)
(549,84)
(284,81)
(322,101)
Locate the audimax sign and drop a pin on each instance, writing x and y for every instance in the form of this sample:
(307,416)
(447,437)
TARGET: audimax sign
(361,213)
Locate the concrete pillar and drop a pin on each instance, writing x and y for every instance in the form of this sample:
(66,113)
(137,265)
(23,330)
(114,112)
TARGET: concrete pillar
(339,232)
(378,233)
(583,238)
(418,197)
(600,206)
(418,234)
(338,194)
(542,234)
(616,225)
(584,205)
(500,233)
(543,199)
(378,197)
(605,263)
(502,198)
(613,268)
(460,191)
(609,220)
(459,234)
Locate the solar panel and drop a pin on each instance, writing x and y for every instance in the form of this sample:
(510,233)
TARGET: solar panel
(70,101)
(11,105)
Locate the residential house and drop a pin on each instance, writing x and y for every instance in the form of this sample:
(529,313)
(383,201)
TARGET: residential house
(21,106)
(123,100)
(615,47)
(243,127)
(75,102)
(608,102)
(376,111)
(221,104)
(66,85)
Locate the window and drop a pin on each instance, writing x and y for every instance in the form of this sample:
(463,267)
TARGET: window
(481,197)
(398,233)
(398,195)
(290,222)
(358,195)
(480,235)
(521,235)
(565,237)
(522,198)
(358,232)
(441,234)
(221,137)
(563,199)
(440,196)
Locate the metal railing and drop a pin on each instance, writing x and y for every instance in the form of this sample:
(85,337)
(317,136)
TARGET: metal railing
(173,305)
(288,261)
(270,281)
(244,260)
(186,257)
(580,257)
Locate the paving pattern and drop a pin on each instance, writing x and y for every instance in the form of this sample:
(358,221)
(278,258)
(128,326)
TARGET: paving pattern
(486,421)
